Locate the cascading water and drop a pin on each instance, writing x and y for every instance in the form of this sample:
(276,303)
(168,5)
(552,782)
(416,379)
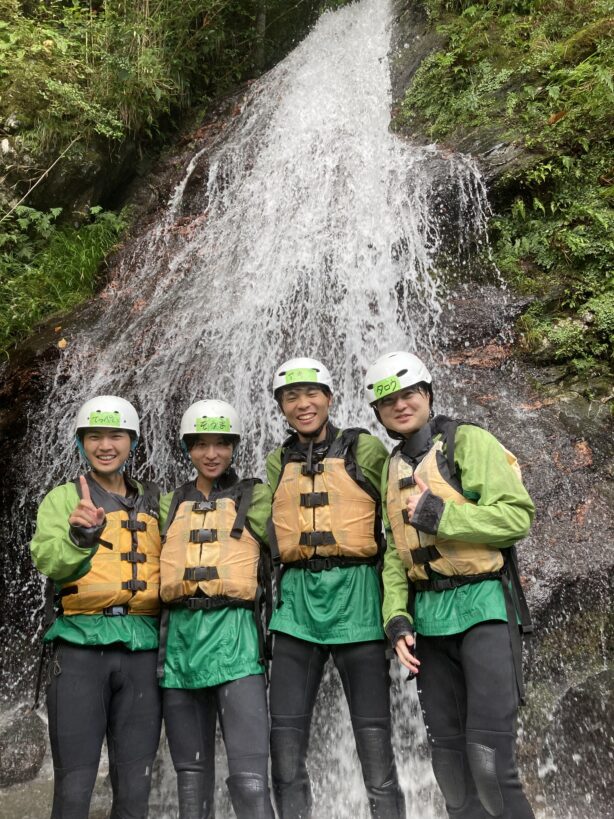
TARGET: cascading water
(316,233)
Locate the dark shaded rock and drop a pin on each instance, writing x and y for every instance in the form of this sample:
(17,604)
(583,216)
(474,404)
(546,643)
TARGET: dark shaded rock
(479,315)
(23,742)
(581,735)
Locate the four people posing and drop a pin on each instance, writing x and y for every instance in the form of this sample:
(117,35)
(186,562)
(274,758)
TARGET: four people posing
(453,506)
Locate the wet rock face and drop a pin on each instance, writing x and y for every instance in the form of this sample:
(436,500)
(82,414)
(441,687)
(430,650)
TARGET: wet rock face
(584,773)
(23,742)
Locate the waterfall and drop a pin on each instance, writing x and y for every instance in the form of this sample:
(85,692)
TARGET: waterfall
(316,233)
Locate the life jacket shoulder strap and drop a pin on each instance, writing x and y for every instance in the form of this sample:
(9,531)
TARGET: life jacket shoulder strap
(179,495)
(150,499)
(242,492)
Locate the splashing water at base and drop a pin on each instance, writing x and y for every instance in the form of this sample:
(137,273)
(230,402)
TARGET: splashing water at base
(316,234)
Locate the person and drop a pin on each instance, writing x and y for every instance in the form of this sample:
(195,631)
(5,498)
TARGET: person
(97,539)
(326,543)
(454,505)
(212,652)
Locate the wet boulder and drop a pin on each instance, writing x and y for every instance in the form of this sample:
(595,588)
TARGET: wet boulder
(23,742)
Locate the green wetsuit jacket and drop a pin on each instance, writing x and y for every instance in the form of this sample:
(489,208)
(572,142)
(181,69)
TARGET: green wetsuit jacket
(501,515)
(56,555)
(207,648)
(340,605)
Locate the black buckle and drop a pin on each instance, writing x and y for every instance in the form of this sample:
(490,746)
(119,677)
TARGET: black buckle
(203,535)
(204,506)
(406,517)
(317,539)
(134,525)
(425,554)
(116,611)
(410,480)
(134,585)
(312,499)
(201,573)
(316,469)
(321,564)
(134,557)
(198,603)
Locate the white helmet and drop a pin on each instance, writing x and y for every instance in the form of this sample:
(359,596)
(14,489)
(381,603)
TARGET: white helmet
(210,416)
(393,372)
(301,371)
(108,411)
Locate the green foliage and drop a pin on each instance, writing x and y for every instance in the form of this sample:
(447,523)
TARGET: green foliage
(45,268)
(538,72)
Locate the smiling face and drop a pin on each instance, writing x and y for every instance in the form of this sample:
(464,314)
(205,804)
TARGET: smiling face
(107,450)
(405,411)
(306,410)
(211,455)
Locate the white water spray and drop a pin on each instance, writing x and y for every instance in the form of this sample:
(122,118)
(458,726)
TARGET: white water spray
(316,234)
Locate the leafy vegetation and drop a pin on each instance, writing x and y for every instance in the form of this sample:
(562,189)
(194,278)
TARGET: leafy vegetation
(46,268)
(79,81)
(538,72)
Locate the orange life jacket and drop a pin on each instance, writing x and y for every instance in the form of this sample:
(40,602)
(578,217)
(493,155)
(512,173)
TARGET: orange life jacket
(125,570)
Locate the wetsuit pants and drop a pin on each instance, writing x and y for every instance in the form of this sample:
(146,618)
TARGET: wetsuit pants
(190,720)
(95,692)
(469,698)
(296,674)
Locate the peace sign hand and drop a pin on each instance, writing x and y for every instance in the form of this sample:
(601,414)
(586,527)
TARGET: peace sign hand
(85,514)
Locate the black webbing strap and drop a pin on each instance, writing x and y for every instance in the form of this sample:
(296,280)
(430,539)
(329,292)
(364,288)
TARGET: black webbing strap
(199,573)
(206,603)
(275,559)
(316,539)
(311,500)
(424,554)
(409,480)
(46,648)
(260,630)
(162,644)
(134,525)
(247,490)
(323,564)
(515,638)
(312,469)
(447,583)
(68,590)
(203,535)
(134,557)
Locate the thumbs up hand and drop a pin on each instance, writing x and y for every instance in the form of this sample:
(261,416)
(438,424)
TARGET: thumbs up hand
(85,514)
(414,500)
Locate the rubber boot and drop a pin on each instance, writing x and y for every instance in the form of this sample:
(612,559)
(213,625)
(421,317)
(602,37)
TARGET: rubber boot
(250,797)
(492,762)
(195,795)
(374,746)
(291,786)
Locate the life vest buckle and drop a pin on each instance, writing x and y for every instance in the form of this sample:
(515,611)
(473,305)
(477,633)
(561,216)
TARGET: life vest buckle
(134,525)
(317,539)
(199,603)
(408,480)
(203,535)
(199,573)
(313,499)
(314,469)
(134,585)
(116,611)
(406,518)
(134,557)
(204,506)
(425,554)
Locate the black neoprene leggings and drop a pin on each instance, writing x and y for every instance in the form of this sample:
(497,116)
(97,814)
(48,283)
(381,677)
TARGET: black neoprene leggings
(95,692)
(296,674)
(469,698)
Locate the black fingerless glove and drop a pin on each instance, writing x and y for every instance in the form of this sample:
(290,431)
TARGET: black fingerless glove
(398,627)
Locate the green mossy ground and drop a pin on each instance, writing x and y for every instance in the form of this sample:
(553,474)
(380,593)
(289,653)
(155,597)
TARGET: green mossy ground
(537,73)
